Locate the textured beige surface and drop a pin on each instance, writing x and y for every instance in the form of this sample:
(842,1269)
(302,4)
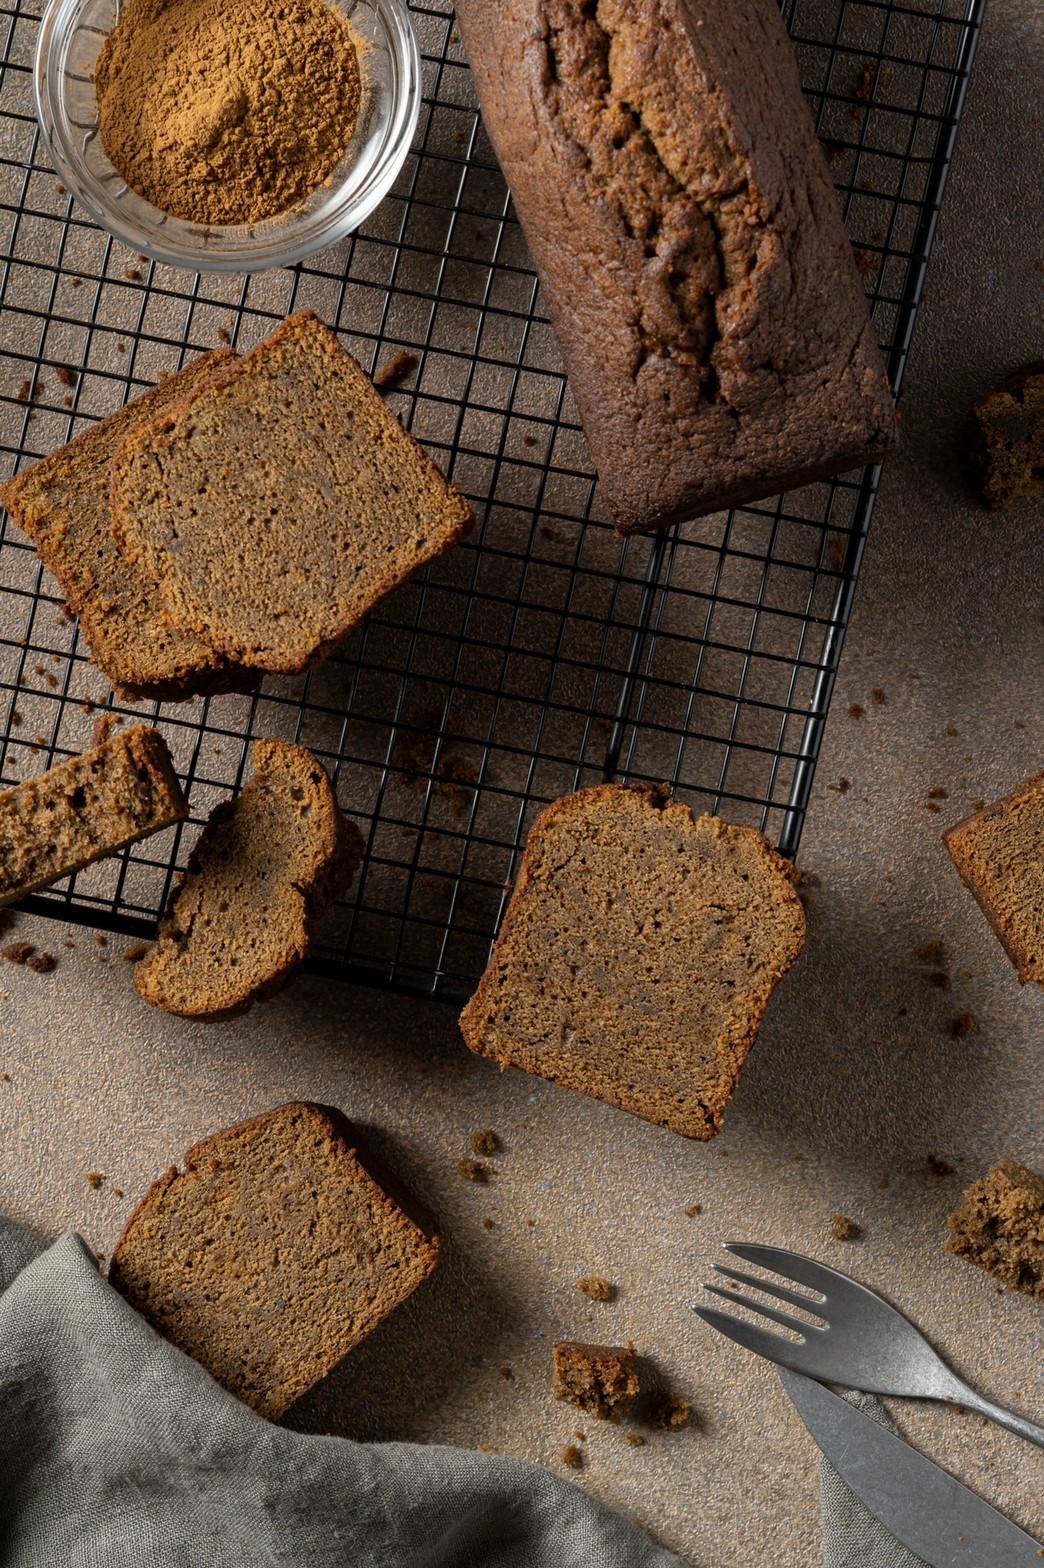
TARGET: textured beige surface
(855,1079)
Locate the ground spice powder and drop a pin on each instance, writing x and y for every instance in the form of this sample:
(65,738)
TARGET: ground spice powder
(231,112)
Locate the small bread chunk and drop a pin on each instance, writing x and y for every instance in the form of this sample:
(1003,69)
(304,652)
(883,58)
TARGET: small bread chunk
(86,808)
(266,868)
(278,506)
(1007,449)
(273,1253)
(999,853)
(598,1379)
(1000,1227)
(62,503)
(638,955)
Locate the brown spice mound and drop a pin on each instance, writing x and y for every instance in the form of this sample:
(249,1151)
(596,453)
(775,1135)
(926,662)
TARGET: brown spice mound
(1000,1227)
(596,1288)
(599,1379)
(230,113)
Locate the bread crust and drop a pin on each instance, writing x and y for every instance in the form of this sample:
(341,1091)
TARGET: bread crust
(690,247)
(700,1117)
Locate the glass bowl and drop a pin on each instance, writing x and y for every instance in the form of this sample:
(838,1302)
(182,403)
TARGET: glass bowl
(70,38)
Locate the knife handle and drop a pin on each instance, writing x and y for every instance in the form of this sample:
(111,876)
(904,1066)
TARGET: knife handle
(1007,1418)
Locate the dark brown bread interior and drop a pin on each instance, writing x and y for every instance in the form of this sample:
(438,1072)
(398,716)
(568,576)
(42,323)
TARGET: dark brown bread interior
(62,503)
(701,285)
(601,1380)
(638,954)
(272,1254)
(999,854)
(277,506)
(265,870)
(1000,1227)
(86,808)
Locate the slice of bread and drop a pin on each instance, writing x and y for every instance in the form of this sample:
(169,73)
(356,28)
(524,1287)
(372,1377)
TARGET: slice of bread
(277,506)
(266,868)
(273,1253)
(638,955)
(86,808)
(62,503)
(999,853)
(1000,1227)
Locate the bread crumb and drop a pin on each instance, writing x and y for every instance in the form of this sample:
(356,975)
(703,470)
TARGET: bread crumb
(101,941)
(487,1223)
(42,963)
(485,1142)
(963,1025)
(5,1077)
(931,953)
(595,1288)
(396,370)
(95,1179)
(507,1374)
(939,1167)
(17,952)
(844,1229)
(224,334)
(693,1210)
(133,275)
(65,376)
(939,979)
(842,786)
(472,1170)
(670,1412)
(938,793)
(636,1439)
(951,729)
(880,697)
(572,1458)
(856,710)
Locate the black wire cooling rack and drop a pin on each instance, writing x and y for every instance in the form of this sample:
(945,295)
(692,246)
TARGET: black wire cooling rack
(546,653)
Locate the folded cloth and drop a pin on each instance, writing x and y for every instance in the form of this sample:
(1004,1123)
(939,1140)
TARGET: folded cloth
(852,1537)
(117,1451)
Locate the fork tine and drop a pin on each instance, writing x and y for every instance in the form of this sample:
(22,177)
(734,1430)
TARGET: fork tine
(782,1351)
(764,1310)
(770,1288)
(806,1271)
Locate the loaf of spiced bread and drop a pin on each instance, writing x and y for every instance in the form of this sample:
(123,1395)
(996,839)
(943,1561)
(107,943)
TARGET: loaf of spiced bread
(689,244)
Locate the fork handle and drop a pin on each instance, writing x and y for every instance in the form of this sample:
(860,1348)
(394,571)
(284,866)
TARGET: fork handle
(970,1400)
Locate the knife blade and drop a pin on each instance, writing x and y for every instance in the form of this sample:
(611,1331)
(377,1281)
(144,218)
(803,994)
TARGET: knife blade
(928,1511)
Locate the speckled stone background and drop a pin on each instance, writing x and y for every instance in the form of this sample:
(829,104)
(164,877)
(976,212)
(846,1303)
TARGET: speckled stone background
(855,1082)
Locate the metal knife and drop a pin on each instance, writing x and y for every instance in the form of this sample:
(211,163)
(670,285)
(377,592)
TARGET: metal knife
(927,1511)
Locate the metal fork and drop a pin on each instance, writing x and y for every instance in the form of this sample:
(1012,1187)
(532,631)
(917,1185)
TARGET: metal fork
(861,1342)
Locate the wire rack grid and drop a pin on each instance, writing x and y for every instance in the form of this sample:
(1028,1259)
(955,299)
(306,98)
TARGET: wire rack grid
(544,654)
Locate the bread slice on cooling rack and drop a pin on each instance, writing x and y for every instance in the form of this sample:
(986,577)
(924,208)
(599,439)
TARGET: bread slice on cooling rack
(62,503)
(266,868)
(638,955)
(83,809)
(277,506)
(274,1252)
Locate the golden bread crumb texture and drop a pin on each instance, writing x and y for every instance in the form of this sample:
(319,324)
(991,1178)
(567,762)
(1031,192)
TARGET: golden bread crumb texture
(275,507)
(273,1253)
(1000,1227)
(85,808)
(638,955)
(266,868)
(229,113)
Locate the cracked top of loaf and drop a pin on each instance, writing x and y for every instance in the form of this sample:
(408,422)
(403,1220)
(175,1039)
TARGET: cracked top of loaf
(690,247)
